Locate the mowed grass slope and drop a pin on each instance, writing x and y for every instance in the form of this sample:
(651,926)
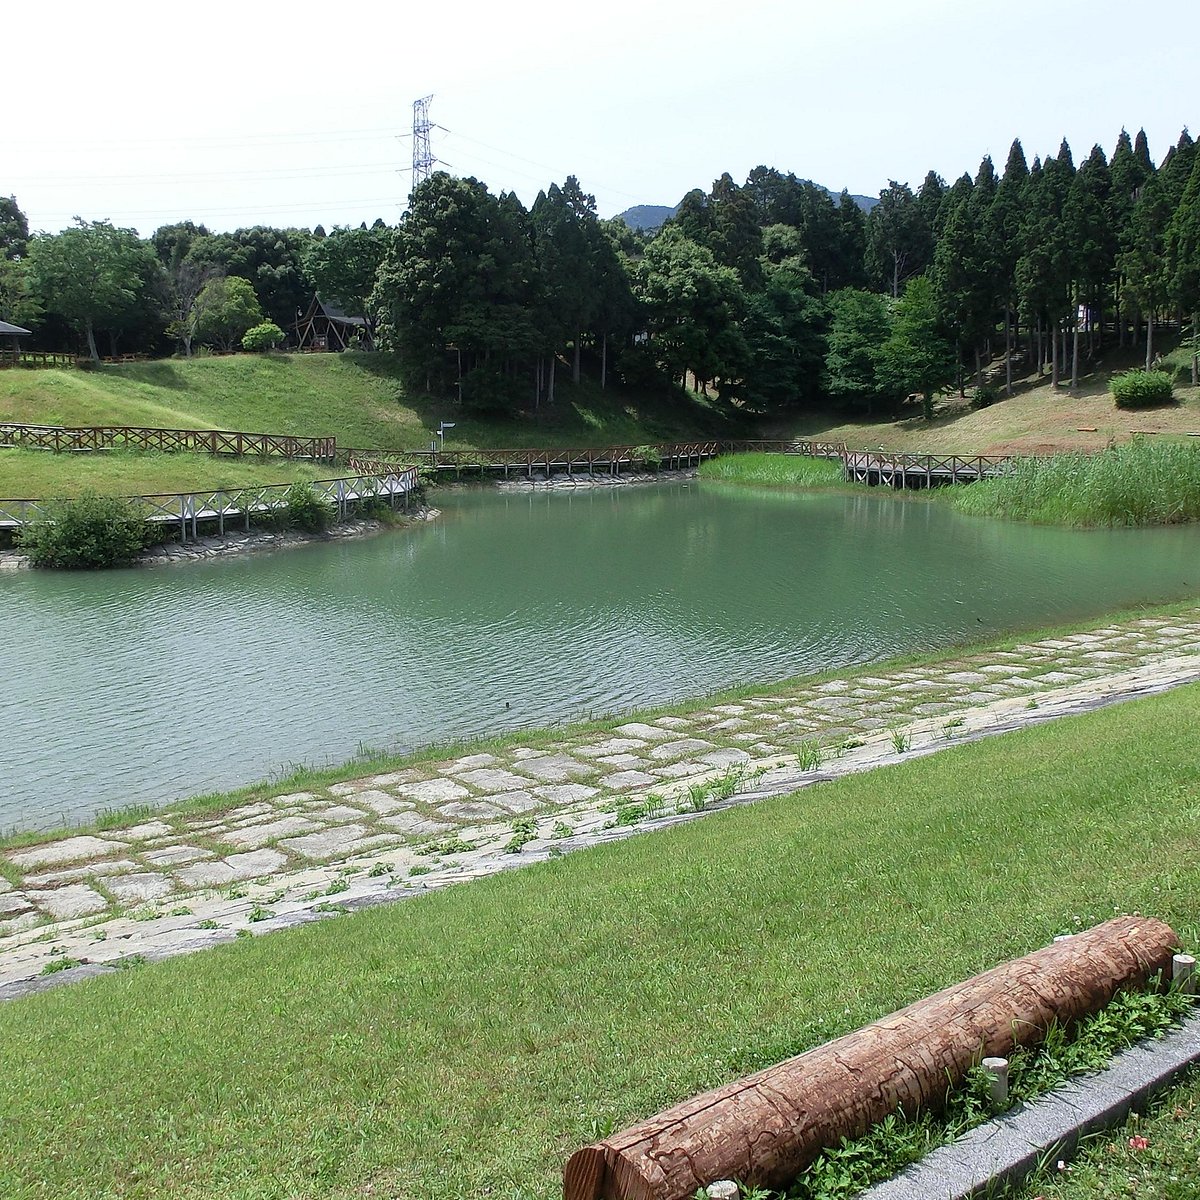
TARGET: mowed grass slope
(32,474)
(465,1043)
(358,398)
(1037,420)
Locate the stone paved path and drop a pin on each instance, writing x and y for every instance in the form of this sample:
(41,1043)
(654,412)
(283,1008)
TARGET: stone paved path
(91,902)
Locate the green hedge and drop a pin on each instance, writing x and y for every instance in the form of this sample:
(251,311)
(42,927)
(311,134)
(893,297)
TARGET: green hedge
(1141,389)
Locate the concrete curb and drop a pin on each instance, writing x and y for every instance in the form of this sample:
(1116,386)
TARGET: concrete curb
(1003,1152)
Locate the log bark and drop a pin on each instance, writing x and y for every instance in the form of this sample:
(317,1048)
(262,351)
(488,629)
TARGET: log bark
(763,1130)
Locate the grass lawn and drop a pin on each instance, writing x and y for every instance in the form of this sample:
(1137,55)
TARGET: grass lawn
(356,397)
(27,474)
(463,1044)
(1152,1155)
(774,470)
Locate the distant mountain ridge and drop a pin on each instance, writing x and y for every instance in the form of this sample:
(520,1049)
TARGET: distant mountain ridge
(651,216)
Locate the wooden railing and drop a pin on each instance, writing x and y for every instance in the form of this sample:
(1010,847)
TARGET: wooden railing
(188,509)
(61,439)
(921,470)
(35,358)
(590,459)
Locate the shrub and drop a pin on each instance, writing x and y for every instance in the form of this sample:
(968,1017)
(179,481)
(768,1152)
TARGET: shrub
(1141,389)
(648,456)
(88,533)
(985,396)
(266,336)
(306,510)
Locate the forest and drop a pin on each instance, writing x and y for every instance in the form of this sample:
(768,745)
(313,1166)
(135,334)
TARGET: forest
(771,294)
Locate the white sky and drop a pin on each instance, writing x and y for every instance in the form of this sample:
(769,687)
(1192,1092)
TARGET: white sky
(243,113)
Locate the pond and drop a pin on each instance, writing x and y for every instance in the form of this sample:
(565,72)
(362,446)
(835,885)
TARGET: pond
(514,610)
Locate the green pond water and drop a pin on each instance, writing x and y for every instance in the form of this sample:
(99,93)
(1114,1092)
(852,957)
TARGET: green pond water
(514,610)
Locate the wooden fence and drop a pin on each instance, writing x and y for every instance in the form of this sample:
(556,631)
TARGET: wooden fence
(188,509)
(35,358)
(61,439)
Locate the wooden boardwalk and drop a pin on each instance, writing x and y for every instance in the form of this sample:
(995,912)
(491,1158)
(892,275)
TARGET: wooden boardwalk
(597,460)
(920,470)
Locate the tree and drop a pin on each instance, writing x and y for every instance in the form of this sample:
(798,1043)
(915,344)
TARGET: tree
(271,259)
(343,265)
(736,239)
(458,292)
(898,237)
(90,274)
(858,326)
(784,331)
(1181,253)
(225,309)
(262,337)
(1142,262)
(14,229)
(564,233)
(916,357)
(693,308)
(1003,231)
(19,302)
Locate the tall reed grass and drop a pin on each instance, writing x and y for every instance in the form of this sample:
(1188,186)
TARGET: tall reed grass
(773,470)
(1139,483)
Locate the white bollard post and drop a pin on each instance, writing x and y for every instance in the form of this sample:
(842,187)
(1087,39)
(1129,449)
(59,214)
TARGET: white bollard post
(1183,973)
(997,1071)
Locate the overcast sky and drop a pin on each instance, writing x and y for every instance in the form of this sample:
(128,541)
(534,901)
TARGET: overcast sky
(244,113)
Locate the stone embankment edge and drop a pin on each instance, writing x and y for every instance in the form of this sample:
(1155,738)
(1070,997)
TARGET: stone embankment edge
(1001,1153)
(171,939)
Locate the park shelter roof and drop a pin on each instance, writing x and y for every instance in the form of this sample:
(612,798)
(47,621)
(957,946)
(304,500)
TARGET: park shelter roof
(7,330)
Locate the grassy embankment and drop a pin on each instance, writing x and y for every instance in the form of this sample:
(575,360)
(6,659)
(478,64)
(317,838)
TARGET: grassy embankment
(1135,483)
(1037,420)
(465,1043)
(356,398)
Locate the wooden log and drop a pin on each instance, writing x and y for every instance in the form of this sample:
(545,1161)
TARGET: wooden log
(763,1130)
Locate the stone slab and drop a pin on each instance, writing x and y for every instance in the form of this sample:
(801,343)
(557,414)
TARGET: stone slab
(680,749)
(145,831)
(66,903)
(556,768)
(380,802)
(567,793)
(176,856)
(623,781)
(494,779)
(139,888)
(470,810)
(327,843)
(414,823)
(13,904)
(237,867)
(517,802)
(469,762)
(250,837)
(610,746)
(649,733)
(114,866)
(433,791)
(68,850)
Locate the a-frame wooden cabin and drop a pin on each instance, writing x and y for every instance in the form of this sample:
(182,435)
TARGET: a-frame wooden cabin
(326,327)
